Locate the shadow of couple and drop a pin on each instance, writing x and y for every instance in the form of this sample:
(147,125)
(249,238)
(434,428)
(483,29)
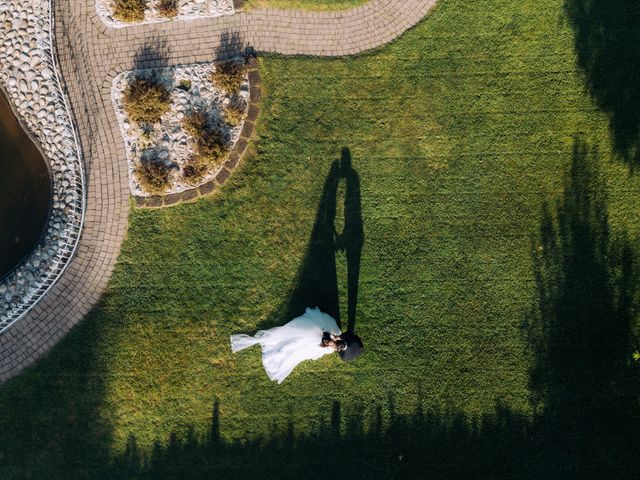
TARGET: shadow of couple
(337,236)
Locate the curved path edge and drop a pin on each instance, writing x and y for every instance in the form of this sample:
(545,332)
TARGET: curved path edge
(91,54)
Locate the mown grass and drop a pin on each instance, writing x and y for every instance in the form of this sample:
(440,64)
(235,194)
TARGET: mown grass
(460,133)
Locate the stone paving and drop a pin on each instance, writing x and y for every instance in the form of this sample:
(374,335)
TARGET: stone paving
(91,55)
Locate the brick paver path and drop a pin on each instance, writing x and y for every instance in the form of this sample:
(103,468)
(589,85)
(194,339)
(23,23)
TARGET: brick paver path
(91,55)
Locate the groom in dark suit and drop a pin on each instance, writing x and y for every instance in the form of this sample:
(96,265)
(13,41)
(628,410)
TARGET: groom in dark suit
(354,346)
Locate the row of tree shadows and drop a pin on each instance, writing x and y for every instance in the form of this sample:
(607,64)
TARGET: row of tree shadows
(583,381)
(584,384)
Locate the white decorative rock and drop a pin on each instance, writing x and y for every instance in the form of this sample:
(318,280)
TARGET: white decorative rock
(168,140)
(29,83)
(187,10)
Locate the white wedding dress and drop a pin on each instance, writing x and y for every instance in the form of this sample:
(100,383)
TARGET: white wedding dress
(285,347)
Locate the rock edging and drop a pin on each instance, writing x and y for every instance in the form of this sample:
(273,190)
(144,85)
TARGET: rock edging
(29,73)
(235,156)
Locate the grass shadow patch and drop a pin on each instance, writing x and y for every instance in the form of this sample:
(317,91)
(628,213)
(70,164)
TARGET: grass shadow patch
(607,42)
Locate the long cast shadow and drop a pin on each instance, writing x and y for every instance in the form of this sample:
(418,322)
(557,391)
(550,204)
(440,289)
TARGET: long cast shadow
(581,332)
(351,239)
(607,42)
(51,425)
(316,283)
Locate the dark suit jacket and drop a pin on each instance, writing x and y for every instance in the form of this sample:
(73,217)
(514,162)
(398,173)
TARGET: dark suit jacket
(354,347)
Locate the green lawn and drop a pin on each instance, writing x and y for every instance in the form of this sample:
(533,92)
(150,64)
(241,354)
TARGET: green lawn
(496,283)
(304,4)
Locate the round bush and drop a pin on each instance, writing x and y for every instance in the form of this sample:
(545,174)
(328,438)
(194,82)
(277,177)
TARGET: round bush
(153,176)
(168,8)
(211,148)
(228,76)
(235,111)
(146,100)
(129,10)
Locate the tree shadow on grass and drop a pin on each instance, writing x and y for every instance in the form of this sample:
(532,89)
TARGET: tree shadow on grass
(607,42)
(50,426)
(583,380)
(584,388)
(346,445)
(584,384)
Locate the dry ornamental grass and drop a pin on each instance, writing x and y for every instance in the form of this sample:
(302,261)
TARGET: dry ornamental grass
(194,170)
(153,176)
(146,100)
(211,148)
(234,112)
(168,8)
(129,10)
(228,76)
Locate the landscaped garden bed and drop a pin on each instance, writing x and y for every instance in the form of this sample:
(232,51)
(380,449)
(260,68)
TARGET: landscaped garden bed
(180,124)
(120,13)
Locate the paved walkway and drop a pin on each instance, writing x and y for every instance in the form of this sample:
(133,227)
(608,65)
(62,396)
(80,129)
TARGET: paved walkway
(91,55)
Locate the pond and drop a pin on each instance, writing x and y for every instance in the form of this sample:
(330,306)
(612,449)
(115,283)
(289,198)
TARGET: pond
(25,191)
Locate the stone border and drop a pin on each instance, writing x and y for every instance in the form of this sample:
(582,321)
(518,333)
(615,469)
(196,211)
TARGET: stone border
(53,128)
(235,156)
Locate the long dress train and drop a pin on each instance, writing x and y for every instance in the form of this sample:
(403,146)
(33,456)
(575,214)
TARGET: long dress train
(285,347)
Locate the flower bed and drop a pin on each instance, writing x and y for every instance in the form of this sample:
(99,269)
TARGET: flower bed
(188,145)
(121,13)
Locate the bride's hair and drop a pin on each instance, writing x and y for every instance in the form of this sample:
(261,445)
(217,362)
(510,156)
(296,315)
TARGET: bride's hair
(327,341)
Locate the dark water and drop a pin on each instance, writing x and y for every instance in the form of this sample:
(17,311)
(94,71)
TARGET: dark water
(25,191)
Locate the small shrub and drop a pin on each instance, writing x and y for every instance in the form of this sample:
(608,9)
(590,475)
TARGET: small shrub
(234,112)
(146,100)
(144,139)
(194,170)
(211,148)
(168,8)
(153,176)
(185,85)
(196,122)
(129,10)
(228,76)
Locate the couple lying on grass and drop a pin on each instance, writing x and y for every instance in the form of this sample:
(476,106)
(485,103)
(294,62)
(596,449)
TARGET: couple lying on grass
(308,337)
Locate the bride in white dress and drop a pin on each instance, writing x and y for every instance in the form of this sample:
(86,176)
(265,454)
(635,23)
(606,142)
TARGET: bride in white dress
(308,337)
